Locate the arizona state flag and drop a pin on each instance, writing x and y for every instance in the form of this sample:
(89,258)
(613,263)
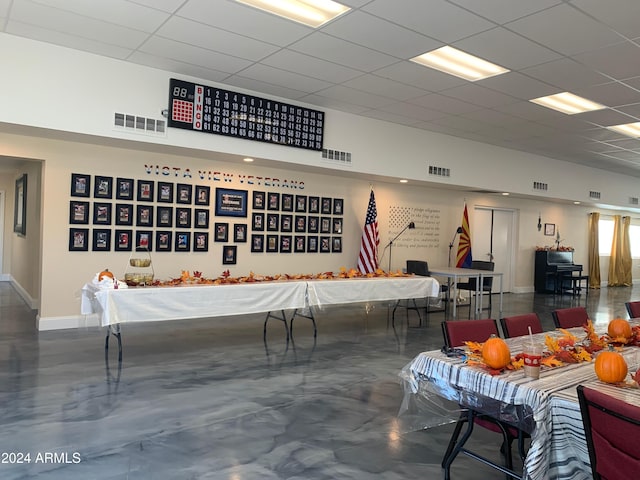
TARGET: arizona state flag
(463,258)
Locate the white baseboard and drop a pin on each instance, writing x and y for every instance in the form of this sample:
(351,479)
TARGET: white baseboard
(72,321)
(33,303)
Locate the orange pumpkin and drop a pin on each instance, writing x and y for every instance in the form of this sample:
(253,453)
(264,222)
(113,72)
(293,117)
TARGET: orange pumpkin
(611,367)
(105,273)
(496,353)
(619,328)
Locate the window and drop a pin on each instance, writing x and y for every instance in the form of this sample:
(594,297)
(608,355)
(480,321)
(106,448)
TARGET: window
(605,238)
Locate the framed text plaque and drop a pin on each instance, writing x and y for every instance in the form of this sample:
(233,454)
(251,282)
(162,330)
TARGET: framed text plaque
(213,110)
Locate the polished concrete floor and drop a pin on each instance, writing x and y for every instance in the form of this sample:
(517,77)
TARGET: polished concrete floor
(210,399)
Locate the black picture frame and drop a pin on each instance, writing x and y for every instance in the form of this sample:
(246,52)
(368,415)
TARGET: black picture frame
(299,245)
(549,229)
(312,244)
(183,242)
(102,213)
(301,203)
(336,244)
(257,243)
(200,241)
(231,203)
(286,223)
(80,185)
(257,222)
(123,240)
(165,192)
(124,214)
(272,243)
(338,206)
(273,222)
(103,187)
(325,245)
(325,224)
(313,224)
(240,232)
(164,217)
(258,200)
(144,241)
(314,204)
(221,232)
(325,206)
(285,243)
(145,190)
(300,225)
(164,240)
(78,212)
(184,193)
(287,202)
(273,201)
(20,206)
(183,217)
(78,239)
(202,196)
(124,188)
(144,215)
(337,226)
(101,240)
(201,218)
(229,254)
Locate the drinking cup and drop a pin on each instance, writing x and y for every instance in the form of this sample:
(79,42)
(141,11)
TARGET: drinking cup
(532,354)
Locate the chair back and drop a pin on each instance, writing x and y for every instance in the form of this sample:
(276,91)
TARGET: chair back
(570,317)
(487,282)
(518,325)
(418,267)
(633,309)
(456,332)
(611,427)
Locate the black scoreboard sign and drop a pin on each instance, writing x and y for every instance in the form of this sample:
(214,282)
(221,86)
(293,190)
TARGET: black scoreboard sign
(213,110)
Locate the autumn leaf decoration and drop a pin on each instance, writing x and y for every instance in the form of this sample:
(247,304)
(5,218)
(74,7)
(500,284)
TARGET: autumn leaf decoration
(474,358)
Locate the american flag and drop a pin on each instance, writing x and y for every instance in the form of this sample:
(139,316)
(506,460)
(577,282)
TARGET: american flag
(368,258)
(463,258)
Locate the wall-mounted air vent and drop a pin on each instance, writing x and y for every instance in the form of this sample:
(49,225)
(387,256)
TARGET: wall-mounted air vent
(540,186)
(138,124)
(594,195)
(344,158)
(633,200)
(439,171)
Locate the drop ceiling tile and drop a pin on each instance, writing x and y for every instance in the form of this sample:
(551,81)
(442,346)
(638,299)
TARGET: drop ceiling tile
(598,147)
(389,117)
(632,110)
(606,117)
(624,143)
(501,11)
(264,89)
(459,123)
(518,85)
(176,66)
(310,66)
(528,111)
(331,103)
(603,135)
(441,103)
(283,78)
(624,155)
(425,78)
(618,61)
(169,6)
(566,74)
(412,111)
(384,87)
(493,117)
(434,127)
(565,29)
(479,95)
(621,15)
(612,94)
(356,97)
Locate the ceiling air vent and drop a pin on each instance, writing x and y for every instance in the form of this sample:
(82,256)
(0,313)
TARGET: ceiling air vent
(594,195)
(540,186)
(633,200)
(337,156)
(138,124)
(439,171)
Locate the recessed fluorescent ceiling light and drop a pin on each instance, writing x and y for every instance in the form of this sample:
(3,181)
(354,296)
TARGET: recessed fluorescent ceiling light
(568,103)
(631,129)
(455,62)
(313,13)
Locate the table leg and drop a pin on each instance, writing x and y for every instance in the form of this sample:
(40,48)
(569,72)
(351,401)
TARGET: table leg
(283,319)
(115,331)
(310,317)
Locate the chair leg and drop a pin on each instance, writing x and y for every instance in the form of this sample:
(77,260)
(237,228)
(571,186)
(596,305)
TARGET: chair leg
(454,438)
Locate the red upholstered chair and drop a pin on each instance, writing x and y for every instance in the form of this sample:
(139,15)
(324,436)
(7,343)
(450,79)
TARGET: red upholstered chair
(611,427)
(570,317)
(633,309)
(518,325)
(456,332)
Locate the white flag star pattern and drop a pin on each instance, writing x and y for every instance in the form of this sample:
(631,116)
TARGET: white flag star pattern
(368,258)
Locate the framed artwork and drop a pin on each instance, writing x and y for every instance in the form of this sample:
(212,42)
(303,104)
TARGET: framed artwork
(550,229)
(101,213)
(301,224)
(222,232)
(239,232)
(325,206)
(101,240)
(272,243)
(144,216)
(164,217)
(299,244)
(257,242)
(337,226)
(286,223)
(78,212)
(231,203)
(123,240)
(336,244)
(103,187)
(144,240)
(338,206)
(124,214)
(203,195)
(287,202)
(312,244)
(314,204)
(273,220)
(273,201)
(78,239)
(163,240)
(20,206)
(145,190)
(183,242)
(229,255)
(183,217)
(200,241)
(124,188)
(201,218)
(80,185)
(325,225)
(313,224)
(165,192)
(183,193)
(257,222)
(285,243)
(258,200)
(325,245)
(301,203)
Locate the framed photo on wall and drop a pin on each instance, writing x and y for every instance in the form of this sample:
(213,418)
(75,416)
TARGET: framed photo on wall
(336,244)
(550,229)
(80,185)
(183,193)
(325,244)
(285,244)
(314,204)
(144,216)
(78,212)
(165,192)
(164,217)
(301,224)
(338,206)
(203,195)
(183,242)
(286,223)
(257,222)
(124,214)
(239,232)
(78,239)
(272,243)
(101,240)
(301,203)
(183,217)
(231,203)
(229,255)
(325,225)
(258,200)
(273,221)
(145,190)
(123,240)
(124,188)
(20,206)
(103,187)
(144,240)
(325,206)
(257,242)
(337,226)
(313,224)
(273,201)
(287,202)
(200,241)
(163,240)
(312,244)
(221,232)
(101,213)
(299,244)
(201,218)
